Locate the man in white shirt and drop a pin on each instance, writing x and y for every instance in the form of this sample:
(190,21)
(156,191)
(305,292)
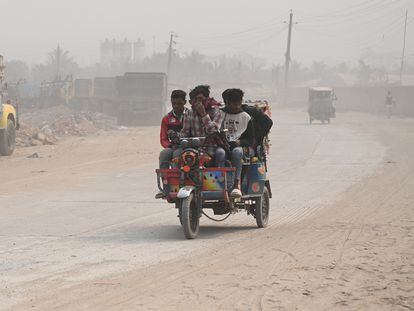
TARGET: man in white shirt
(239,134)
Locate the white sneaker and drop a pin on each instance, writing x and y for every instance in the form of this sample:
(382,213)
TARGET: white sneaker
(236,193)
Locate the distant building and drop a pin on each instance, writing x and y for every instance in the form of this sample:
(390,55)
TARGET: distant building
(121,52)
(106,52)
(139,50)
(125,51)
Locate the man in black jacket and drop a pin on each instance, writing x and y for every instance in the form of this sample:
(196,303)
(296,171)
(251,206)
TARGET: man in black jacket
(261,122)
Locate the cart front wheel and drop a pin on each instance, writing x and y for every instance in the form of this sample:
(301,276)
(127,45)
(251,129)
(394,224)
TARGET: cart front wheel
(189,217)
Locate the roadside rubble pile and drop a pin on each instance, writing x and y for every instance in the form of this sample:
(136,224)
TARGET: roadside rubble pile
(31,136)
(45,127)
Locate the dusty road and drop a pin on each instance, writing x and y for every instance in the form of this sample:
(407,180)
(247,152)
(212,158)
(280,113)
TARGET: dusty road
(80,230)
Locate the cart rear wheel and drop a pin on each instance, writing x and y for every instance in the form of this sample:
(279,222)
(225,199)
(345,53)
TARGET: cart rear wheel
(189,217)
(262,209)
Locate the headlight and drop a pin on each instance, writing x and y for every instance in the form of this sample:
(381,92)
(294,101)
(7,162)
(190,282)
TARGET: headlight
(196,143)
(184,143)
(189,158)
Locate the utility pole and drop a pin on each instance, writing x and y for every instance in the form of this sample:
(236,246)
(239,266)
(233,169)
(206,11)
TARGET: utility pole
(170,52)
(58,60)
(2,67)
(287,58)
(403,51)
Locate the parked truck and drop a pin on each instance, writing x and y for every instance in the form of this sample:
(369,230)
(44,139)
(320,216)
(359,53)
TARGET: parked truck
(82,92)
(56,92)
(105,96)
(141,98)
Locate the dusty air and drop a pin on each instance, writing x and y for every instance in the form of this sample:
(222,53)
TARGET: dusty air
(221,155)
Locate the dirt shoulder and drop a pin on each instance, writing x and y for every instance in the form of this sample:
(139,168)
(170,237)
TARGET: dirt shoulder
(74,159)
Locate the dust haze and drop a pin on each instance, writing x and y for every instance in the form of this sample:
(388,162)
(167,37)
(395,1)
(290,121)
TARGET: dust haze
(113,197)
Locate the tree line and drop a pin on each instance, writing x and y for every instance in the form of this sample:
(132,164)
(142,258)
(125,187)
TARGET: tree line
(195,67)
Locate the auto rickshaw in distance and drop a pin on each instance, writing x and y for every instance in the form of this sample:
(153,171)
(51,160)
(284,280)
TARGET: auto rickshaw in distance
(321,104)
(193,185)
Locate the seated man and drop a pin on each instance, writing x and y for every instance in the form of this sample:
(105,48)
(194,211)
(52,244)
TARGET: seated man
(171,123)
(240,133)
(260,115)
(204,117)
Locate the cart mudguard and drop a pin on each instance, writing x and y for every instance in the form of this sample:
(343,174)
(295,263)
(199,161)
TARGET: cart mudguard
(185,192)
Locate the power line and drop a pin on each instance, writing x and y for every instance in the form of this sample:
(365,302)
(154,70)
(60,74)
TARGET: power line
(362,42)
(392,29)
(358,16)
(355,10)
(267,38)
(335,12)
(351,42)
(270,23)
(225,40)
(238,43)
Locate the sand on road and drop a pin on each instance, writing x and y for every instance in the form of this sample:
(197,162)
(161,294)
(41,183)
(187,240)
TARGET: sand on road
(86,234)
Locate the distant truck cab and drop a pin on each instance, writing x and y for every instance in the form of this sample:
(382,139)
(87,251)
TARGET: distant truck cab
(321,104)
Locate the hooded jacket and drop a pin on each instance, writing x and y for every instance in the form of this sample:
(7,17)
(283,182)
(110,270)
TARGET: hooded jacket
(261,122)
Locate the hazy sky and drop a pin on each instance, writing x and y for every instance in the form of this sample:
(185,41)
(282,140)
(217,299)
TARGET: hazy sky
(326,29)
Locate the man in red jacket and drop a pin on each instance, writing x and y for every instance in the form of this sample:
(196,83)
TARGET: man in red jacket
(173,121)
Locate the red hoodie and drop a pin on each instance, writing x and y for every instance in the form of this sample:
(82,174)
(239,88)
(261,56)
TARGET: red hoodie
(170,122)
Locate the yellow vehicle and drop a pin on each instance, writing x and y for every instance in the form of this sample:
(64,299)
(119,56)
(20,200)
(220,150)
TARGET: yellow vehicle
(9,120)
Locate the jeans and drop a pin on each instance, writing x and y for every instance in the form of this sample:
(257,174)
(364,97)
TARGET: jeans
(166,155)
(236,160)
